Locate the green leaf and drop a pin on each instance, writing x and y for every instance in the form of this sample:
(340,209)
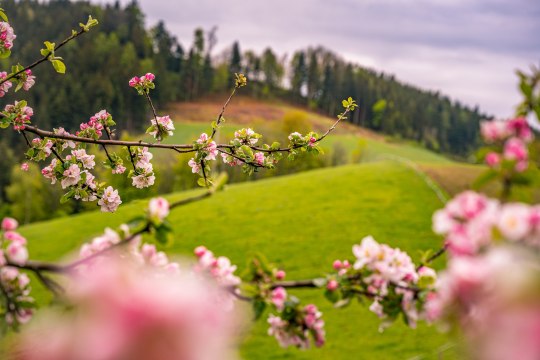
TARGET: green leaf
(59,66)
(331,296)
(49,46)
(258,308)
(65,198)
(3,15)
(345,103)
(5,54)
(201,182)
(19,86)
(163,235)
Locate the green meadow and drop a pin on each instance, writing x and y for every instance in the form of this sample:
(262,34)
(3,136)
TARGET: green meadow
(302,223)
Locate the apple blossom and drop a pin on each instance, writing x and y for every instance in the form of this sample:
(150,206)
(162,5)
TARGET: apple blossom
(143,84)
(467,222)
(119,169)
(278,297)
(110,200)
(19,113)
(493,159)
(4,88)
(29,80)
(17,253)
(158,208)
(9,224)
(280,275)
(7,36)
(195,167)
(119,310)
(162,126)
(72,176)
(332,285)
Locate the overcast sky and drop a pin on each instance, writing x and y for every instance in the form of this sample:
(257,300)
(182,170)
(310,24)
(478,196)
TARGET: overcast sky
(468,49)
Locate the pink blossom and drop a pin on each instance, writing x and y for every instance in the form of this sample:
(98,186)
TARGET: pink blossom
(22,114)
(158,208)
(337,265)
(493,159)
(72,176)
(142,181)
(259,158)
(149,77)
(195,167)
(136,313)
(134,81)
(312,141)
(48,172)
(87,160)
(110,200)
(200,251)
(119,169)
(278,297)
(466,221)
(515,149)
(29,80)
(24,167)
(17,253)
(280,275)
(9,224)
(521,129)
(231,160)
(4,88)
(7,36)
(514,221)
(332,285)
(160,126)
(494,130)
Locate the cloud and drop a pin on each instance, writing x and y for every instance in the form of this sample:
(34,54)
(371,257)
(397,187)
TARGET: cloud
(466,49)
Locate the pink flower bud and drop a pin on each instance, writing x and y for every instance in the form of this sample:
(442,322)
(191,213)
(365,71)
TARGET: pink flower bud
(17,253)
(337,265)
(24,167)
(200,251)
(280,275)
(332,285)
(493,159)
(134,81)
(150,76)
(9,224)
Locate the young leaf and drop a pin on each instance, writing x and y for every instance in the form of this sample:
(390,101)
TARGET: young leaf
(59,66)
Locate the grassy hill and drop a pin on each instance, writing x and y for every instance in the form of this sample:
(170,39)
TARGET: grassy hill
(302,222)
(191,119)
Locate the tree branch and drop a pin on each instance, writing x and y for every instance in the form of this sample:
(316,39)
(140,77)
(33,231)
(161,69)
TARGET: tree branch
(44,58)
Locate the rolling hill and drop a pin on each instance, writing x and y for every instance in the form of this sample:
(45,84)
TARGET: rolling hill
(301,222)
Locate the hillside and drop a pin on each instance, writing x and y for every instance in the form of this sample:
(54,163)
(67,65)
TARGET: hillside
(192,118)
(311,226)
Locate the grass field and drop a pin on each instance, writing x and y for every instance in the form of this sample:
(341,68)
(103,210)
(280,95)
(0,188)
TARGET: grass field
(301,222)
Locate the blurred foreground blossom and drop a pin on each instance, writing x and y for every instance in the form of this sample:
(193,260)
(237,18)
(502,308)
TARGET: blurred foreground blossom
(494,299)
(128,311)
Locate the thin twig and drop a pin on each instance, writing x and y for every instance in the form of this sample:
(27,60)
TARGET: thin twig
(220,116)
(44,58)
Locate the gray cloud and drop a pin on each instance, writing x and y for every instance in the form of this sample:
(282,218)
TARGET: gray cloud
(467,49)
